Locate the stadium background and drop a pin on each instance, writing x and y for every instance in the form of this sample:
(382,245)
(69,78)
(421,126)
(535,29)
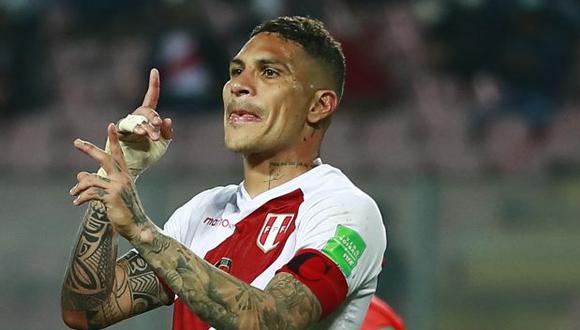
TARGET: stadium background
(461,118)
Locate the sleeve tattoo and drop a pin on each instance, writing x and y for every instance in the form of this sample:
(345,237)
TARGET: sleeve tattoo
(222,300)
(106,290)
(89,278)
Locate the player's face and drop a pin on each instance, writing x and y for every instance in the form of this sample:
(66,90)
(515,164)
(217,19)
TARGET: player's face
(267,97)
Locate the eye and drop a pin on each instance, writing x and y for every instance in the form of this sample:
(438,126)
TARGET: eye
(270,73)
(235,72)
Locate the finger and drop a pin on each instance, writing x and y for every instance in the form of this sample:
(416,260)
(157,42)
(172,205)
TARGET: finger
(90,180)
(97,154)
(149,113)
(116,151)
(139,130)
(152,96)
(152,132)
(81,175)
(167,129)
(93,193)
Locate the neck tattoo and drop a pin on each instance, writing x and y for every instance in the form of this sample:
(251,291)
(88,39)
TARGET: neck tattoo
(275,169)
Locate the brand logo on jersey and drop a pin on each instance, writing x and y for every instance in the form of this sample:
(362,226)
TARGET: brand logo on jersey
(224,264)
(274,228)
(219,222)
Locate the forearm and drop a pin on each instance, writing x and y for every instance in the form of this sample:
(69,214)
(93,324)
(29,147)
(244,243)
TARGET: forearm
(218,298)
(89,277)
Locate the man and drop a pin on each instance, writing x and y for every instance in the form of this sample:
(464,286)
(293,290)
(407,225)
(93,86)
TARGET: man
(295,245)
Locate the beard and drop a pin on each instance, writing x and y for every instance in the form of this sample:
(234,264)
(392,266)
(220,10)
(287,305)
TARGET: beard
(244,138)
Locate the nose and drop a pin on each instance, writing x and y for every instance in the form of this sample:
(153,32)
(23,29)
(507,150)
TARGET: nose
(239,89)
(242,85)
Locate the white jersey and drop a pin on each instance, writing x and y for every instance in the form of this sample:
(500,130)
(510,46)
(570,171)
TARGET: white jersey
(252,238)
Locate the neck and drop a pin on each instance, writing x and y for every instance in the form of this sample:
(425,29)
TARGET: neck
(264,173)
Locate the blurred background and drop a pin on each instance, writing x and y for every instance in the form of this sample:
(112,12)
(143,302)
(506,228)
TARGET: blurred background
(460,117)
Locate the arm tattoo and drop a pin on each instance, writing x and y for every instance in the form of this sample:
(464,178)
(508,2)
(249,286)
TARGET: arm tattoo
(222,300)
(136,290)
(293,296)
(129,197)
(89,278)
(107,290)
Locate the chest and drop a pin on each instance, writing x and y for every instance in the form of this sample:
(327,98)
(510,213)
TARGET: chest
(252,244)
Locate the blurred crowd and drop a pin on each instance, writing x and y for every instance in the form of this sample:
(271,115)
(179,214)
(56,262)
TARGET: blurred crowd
(455,88)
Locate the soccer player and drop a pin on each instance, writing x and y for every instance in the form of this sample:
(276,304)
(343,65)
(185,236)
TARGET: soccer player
(295,245)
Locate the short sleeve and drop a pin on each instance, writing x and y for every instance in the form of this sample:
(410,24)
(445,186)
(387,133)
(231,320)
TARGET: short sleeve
(182,223)
(345,233)
(350,231)
(174,225)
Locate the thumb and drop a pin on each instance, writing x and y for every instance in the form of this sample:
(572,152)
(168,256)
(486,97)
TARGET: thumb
(167,129)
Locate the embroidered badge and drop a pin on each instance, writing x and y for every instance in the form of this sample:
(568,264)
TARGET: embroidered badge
(345,248)
(224,264)
(274,228)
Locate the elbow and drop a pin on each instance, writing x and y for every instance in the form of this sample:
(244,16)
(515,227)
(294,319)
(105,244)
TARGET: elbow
(74,319)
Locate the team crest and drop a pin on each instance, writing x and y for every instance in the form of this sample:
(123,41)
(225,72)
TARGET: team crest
(224,264)
(273,231)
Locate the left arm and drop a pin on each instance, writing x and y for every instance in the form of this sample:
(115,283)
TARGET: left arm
(216,297)
(219,298)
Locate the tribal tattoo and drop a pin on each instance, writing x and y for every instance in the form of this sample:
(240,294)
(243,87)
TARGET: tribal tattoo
(107,290)
(219,298)
(89,279)
(136,290)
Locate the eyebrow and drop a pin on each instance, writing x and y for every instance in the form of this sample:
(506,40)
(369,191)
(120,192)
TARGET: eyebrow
(262,62)
(237,61)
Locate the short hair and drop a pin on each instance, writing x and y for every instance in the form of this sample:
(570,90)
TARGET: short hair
(313,36)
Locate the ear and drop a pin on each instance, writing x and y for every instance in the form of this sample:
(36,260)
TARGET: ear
(323,105)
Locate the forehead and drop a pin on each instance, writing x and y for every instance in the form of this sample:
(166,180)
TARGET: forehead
(271,46)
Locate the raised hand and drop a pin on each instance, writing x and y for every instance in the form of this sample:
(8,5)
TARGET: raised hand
(144,143)
(116,191)
(155,127)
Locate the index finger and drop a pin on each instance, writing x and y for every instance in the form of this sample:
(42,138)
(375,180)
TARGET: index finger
(96,153)
(116,151)
(152,96)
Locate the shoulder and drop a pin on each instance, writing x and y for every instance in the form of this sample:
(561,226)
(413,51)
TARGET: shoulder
(215,198)
(347,213)
(335,194)
(345,224)
(332,200)
(336,205)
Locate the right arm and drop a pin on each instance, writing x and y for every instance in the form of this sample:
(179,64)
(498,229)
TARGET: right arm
(99,291)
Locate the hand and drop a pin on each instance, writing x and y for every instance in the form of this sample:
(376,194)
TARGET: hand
(148,141)
(156,127)
(117,191)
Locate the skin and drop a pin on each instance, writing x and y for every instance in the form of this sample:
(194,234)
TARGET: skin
(280,98)
(292,94)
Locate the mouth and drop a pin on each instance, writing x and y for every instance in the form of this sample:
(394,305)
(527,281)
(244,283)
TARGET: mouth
(239,116)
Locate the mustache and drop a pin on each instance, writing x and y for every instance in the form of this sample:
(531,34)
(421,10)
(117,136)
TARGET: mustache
(244,105)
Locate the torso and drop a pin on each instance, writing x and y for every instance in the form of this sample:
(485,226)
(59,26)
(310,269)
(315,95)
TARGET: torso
(252,238)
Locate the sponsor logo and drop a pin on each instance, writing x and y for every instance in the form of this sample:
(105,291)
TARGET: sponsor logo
(218,222)
(224,264)
(274,229)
